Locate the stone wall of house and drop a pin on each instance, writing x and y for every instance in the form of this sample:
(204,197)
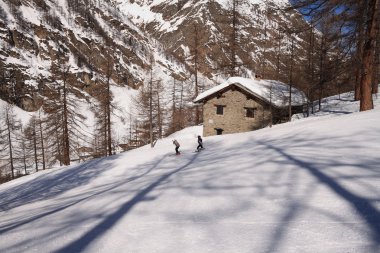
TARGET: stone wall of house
(234,118)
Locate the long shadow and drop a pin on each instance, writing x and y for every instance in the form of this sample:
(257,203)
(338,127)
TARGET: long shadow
(77,201)
(50,184)
(61,208)
(362,205)
(113,186)
(336,112)
(84,241)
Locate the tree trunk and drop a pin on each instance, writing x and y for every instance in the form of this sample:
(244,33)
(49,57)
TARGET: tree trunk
(151,106)
(59,148)
(174,109)
(22,139)
(66,141)
(159,116)
(108,111)
(278,54)
(321,72)
(10,142)
(291,79)
(35,144)
(196,55)
(233,39)
(376,74)
(359,53)
(24,156)
(105,133)
(311,69)
(366,102)
(42,144)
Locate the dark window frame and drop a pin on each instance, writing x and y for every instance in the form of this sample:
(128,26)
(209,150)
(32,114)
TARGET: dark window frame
(250,112)
(220,109)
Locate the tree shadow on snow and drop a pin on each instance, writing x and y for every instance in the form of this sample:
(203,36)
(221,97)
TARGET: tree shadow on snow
(51,184)
(328,170)
(85,240)
(364,207)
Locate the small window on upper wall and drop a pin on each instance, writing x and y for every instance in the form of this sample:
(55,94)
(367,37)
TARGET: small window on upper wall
(219,109)
(249,112)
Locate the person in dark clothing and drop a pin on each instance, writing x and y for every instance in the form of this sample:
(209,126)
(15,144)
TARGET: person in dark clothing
(175,142)
(200,143)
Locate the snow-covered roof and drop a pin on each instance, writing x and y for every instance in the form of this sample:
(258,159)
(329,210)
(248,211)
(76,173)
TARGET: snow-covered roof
(268,90)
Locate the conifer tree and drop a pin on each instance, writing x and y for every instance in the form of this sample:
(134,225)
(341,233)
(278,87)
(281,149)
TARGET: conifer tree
(196,60)
(233,40)
(9,130)
(63,119)
(31,139)
(151,109)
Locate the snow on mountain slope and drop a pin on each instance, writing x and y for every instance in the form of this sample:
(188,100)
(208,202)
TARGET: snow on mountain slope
(38,38)
(177,24)
(306,186)
(22,115)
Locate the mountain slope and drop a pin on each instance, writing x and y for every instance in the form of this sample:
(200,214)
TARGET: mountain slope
(90,40)
(262,32)
(311,185)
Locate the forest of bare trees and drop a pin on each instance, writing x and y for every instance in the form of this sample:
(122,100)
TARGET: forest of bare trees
(345,41)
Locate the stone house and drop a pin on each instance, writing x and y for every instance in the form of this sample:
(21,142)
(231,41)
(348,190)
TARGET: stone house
(242,104)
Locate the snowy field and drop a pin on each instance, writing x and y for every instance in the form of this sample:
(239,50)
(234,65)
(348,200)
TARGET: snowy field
(312,185)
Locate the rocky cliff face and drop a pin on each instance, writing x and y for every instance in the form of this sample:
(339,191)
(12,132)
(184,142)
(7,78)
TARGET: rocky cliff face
(263,32)
(92,41)
(87,40)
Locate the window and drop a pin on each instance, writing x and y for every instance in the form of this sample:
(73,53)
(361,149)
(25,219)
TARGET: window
(249,112)
(220,109)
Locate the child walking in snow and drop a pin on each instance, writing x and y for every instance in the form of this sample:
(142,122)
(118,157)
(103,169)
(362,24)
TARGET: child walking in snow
(175,142)
(200,143)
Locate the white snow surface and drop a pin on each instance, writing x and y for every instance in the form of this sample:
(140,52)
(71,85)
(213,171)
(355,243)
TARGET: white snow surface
(268,90)
(312,185)
(227,3)
(22,115)
(31,15)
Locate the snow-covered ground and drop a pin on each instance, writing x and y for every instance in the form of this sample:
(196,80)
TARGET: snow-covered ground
(312,185)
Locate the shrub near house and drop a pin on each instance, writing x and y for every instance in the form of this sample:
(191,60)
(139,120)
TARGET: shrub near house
(242,104)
